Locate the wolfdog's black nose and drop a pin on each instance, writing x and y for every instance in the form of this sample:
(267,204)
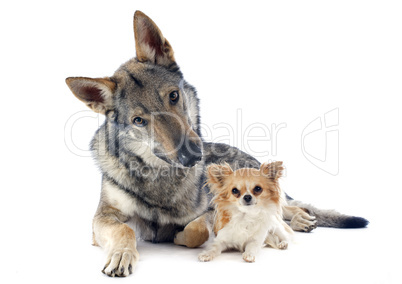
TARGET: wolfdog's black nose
(189,154)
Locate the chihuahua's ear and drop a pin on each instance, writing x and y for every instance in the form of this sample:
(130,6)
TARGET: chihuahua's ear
(272,170)
(150,44)
(97,94)
(218,173)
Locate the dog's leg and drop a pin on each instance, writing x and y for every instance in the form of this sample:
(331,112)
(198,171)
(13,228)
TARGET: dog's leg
(117,238)
(330,218)
(252,248)
(299,219)
(196,232)
(280,238)
(274,241)
(212,251)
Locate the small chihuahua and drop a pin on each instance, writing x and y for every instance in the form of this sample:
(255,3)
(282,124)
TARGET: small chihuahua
(248,206)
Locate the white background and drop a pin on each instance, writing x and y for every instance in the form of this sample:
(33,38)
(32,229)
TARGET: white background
(278,62)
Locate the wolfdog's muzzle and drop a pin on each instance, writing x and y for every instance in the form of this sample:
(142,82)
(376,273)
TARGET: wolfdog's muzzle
(189,154)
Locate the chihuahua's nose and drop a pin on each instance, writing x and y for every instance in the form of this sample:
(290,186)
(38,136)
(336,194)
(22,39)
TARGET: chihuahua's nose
(247,198)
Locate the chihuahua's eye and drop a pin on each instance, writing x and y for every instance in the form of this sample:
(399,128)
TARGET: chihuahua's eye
(257,189)
(174,97)
(140,122)
(235,191)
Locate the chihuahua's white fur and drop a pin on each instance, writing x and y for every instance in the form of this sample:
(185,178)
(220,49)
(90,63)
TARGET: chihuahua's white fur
(249,228)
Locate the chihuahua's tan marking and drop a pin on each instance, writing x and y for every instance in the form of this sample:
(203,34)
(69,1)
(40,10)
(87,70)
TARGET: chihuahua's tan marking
(221,219)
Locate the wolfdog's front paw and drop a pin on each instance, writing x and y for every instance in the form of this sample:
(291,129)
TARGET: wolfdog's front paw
(303,222)
(248,257)
(205,256)
(121,262)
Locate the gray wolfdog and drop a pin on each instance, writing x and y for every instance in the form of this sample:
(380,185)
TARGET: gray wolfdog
(153,158)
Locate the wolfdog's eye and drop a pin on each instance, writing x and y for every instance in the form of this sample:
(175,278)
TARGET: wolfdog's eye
(235,191)
(138,121)
(174,97)
(257,189)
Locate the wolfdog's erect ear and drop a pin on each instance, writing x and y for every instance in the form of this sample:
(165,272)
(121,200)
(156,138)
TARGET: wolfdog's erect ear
(97,94)
(272,170)
(150,44)
(217,174)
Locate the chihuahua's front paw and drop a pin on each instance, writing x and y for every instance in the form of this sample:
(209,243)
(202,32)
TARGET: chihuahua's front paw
(205,256)
(283,245)
(248,257)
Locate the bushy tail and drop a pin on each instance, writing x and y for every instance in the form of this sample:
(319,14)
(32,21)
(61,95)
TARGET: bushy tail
(331,218)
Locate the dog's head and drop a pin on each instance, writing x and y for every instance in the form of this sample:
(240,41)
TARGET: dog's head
(245,187)
(147,100)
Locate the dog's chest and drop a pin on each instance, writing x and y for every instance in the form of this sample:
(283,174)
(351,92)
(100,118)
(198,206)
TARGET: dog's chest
(159,197)
(243,227)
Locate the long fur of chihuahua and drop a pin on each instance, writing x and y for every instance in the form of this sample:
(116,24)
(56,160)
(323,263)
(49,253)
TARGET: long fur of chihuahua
(248,212)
